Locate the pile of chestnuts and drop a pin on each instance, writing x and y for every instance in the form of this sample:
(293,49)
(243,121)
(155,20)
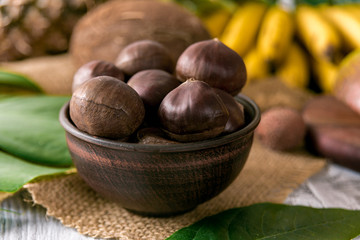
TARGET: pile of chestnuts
(145,92)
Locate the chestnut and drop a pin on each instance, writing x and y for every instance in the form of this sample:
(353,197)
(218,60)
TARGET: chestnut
(152,86)
(95,68)
(281,128)
(106,107)
(193,112)
(235,109)
(213,62)
(152,135)
(142,55)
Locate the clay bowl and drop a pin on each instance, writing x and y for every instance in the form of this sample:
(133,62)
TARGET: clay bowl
(161,180)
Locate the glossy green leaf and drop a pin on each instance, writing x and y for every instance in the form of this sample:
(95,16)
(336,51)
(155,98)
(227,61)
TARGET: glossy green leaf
(30,129)
(9,79)
(268,221)
(15,172)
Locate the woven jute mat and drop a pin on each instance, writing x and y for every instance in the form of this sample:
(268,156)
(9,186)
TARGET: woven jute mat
(268,176)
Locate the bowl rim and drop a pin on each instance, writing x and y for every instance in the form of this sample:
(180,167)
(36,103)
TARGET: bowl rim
(249,105)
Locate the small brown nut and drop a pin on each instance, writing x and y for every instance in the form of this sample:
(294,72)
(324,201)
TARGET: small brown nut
(193,112)
(281,128)
(142,55)
(213,62)
(106,107)
(152,86)
(235,109)
(153,135)
(93,69)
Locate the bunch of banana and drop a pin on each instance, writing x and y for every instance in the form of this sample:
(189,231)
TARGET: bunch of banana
(301,43)
(325,74)
(318,35)
(294,70)
(256,66)
(241,31)
(275,35)
(346,21)
(331,32)
(264,35)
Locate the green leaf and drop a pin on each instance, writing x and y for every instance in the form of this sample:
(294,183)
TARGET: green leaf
(10,79)
(30,129)
(268,221)
(15,172)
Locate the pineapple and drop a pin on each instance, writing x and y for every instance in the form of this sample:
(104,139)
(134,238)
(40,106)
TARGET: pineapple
(38,27)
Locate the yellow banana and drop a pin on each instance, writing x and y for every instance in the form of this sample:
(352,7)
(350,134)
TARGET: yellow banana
(294,71)
(275,34)
(318,35)
(256,67)
(353,9)
(326,73)
(216,22)
(241,30)
(347,24)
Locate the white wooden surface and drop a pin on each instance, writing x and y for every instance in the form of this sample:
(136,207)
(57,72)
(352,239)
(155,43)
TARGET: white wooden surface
(333,187)
(24,221)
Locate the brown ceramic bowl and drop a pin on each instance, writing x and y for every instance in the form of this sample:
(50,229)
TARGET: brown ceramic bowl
(161,180)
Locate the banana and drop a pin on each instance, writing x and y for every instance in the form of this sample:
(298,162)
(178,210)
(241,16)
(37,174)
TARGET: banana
(275,34)
(256,67)
(317,34)
(347,24)
(294,71)
(325,73)
(216,22)
(241,30)
(353,9)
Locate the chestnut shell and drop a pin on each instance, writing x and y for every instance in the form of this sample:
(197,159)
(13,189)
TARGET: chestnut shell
(193,112)
(142,55)
(235,109)
(213,62)
(106,107)
(93,69)
(281,128)
(152,86)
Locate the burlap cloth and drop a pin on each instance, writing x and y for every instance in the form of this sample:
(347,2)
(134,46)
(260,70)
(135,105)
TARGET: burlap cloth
(268,176)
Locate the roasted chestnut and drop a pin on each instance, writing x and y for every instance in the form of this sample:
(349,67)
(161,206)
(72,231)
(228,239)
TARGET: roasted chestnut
(142,55)
(106,107)
(152,86)
(192,112)
(93,69)
(235,109)
(213,62)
